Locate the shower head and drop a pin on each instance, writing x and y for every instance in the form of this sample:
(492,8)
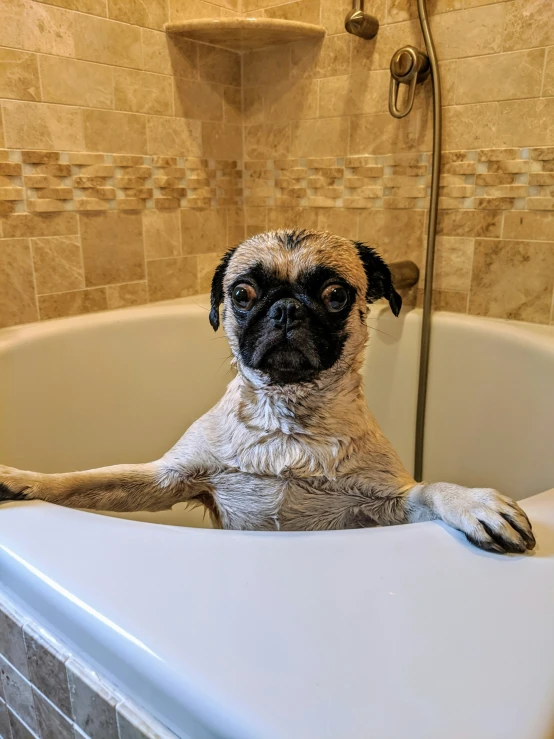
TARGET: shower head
(359,23)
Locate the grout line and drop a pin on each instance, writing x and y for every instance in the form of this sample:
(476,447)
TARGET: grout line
(243,137)
(31,254)
(207,120)
(544,71)
(20,720)
(503,29)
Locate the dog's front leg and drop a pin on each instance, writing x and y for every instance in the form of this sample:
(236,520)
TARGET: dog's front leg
(142,487)
(489,520)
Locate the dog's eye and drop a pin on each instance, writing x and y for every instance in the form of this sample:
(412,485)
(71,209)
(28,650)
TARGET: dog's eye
(244,296)
(335,298)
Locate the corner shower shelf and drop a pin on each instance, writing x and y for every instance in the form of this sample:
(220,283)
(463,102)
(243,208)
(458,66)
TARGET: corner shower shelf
(245,34)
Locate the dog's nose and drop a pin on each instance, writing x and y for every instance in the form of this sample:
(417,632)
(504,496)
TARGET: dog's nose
(286,313)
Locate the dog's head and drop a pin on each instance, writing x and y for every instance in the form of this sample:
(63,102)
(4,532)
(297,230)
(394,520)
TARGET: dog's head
(295,303)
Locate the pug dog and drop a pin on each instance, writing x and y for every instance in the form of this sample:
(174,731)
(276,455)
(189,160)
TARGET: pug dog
(291,445)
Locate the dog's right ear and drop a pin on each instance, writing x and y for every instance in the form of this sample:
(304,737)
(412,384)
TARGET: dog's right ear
(216,297)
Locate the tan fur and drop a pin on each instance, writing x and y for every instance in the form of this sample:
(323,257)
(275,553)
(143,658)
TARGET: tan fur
(292,457)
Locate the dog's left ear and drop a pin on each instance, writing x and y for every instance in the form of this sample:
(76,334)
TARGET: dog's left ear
(216,296)
(379,278)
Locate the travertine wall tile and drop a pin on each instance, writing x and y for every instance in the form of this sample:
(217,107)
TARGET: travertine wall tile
(175,277)
(174,136)
(207,264)
(495,292)
(397,234)
(528,121)
(40,126)
(95,7)
(19,75)
(266,66)
(267,141)
(377,134)
(469,32)
(108,42)
(112,248)
(190,9)
(399,10)
(204,231)
(183,56)
(126,295)
(151,14)
(143,92)
(232,105)
(219,65)
(329,57)
(453,263)
(333,13)
(474,223)
(155,52)
(36,27)
(354,94)
(74,82)
(338,221)
(528,226)
(377,53)
(305,11)
(114,132)
(221,141)
(291,217)
(322,137)
(162,234)
(450,300)
(528,24)
(201,100)
(106,115)
(23,225)
(17,293)
(471,126)
(548,86)
(59,305)
(500,76)
(58,264)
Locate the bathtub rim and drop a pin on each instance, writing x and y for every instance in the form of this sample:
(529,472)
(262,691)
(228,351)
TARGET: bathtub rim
(29,590)
(540,334)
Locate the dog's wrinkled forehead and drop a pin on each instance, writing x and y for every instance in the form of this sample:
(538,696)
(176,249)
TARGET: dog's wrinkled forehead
(290,254)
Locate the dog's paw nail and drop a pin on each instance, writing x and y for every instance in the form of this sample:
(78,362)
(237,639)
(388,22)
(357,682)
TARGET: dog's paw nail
(13,486)
(7,494)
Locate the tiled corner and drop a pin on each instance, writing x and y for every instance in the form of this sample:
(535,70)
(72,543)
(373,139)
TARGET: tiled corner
(103,115)
(46,658)
(55,694)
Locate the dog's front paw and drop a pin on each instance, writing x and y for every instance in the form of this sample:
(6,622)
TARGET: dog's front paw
(16,484)
(489,520)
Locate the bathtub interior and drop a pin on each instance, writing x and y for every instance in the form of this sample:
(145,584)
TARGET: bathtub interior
(124,386)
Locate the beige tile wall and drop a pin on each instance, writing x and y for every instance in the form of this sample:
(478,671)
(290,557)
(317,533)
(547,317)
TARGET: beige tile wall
(119,155)
(129,160)
(322,150)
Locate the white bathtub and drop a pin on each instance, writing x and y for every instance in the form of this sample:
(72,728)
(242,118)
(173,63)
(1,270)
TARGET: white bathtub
(278,636)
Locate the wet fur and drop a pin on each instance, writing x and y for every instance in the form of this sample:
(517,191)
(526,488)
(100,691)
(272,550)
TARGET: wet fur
(296,456)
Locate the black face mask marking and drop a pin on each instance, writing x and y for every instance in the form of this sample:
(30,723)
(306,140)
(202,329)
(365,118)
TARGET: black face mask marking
(286,330)
(289,333)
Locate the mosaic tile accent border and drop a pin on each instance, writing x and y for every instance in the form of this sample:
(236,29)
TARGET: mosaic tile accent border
(47,692)
(50,182)
(498,179)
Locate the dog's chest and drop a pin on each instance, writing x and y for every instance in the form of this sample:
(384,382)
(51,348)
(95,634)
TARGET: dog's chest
(280,474)
(275,444)
(268,502)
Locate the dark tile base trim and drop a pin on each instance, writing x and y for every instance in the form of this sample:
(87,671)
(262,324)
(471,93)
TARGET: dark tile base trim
(47,692)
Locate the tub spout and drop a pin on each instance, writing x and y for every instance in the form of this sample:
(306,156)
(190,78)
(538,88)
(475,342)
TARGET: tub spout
(404,274)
